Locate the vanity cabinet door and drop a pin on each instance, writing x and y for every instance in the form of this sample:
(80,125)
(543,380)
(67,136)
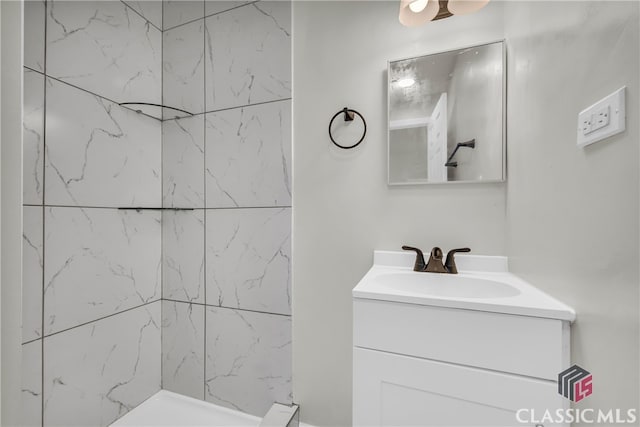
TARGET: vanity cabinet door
(522,345)
(397,390)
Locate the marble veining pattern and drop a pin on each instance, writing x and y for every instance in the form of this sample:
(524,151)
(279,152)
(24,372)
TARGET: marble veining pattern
(96,373)
(32,265)
(183,162)
(98,262)
(249,259)
(183,255)
(31,395)
(248,153)
(183,67)
(149,9)
(33,137)
(183,348)
(178,12)
(98,153)
(248,55)
(105,48)
(34,17)
(248,359)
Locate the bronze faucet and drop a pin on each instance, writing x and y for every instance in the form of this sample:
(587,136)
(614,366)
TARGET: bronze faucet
(435,264)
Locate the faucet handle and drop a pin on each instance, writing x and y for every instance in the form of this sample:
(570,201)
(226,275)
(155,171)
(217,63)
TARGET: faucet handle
(450,263)
(419,265)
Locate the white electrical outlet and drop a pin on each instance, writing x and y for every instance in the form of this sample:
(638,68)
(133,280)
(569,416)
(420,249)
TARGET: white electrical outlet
(587,126)
(603,119)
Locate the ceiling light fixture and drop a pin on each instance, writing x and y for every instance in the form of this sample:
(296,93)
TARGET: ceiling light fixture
(418,12)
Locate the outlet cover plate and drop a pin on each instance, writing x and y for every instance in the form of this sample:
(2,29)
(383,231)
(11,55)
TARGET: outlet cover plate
(603,119)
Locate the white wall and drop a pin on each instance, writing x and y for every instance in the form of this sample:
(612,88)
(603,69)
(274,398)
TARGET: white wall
(568,219)
(343,208)
(572,212)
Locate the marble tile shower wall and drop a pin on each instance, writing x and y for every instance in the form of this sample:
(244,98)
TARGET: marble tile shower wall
(226,324)
(100,296)
(92,273)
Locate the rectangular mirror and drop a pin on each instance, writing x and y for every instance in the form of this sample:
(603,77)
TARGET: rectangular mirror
(446,117)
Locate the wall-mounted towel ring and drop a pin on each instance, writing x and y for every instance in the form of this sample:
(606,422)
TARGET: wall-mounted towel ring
(349,115)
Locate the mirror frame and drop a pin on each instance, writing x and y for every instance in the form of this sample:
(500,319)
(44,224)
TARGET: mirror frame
(504,116)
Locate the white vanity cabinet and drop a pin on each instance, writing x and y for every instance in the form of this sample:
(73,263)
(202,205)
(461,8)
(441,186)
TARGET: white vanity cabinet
(438,362)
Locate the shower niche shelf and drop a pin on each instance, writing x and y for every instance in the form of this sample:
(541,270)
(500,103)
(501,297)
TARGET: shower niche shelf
(139,208)
(157,111)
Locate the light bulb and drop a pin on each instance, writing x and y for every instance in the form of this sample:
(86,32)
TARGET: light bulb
(406,82)
(418,6)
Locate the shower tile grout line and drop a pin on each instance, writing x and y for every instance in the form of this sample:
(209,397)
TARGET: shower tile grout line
(47,76)
(101,318)
(204,214)
(142,16)
(205,16)
(228,308)
(31,341)
(271,101)
(161,194)
(44,168)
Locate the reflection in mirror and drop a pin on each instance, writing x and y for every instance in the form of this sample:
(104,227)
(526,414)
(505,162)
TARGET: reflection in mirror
(446,117)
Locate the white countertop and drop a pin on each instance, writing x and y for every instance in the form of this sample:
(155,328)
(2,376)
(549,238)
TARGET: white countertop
(524,300)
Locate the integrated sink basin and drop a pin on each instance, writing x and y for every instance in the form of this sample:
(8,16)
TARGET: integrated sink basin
(445,285)
(483,283)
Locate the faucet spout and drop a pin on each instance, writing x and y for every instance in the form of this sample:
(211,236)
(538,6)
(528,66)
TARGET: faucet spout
(435,264)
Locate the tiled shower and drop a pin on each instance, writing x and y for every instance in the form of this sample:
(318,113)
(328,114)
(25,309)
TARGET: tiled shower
(122,298)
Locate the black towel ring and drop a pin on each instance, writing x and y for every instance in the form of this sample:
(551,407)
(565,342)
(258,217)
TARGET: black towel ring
(349,114)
